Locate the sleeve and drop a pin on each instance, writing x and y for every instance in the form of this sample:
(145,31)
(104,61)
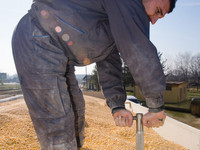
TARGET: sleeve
(110,79)
(130,29)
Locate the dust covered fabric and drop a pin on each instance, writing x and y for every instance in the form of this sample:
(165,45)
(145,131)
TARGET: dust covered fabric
(57,35)
(88,31)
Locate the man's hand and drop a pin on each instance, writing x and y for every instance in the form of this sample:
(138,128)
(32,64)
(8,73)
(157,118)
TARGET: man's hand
(151,119)
(123,118)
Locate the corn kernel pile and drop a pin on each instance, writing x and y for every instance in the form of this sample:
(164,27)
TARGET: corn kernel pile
(16,129)
(17,133)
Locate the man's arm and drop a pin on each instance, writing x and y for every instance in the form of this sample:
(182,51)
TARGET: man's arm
(130,29)
(110,79)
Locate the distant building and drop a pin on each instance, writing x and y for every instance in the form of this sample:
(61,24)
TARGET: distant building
(87,83)
(3,76)
(176,92)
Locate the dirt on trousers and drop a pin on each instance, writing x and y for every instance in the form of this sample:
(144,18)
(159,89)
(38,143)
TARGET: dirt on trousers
(17,133)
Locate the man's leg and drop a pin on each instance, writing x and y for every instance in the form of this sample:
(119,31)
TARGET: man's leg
(78,104)
(50,110)
(41,68)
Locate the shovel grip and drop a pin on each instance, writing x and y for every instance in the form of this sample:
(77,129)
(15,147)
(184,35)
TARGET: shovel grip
(139,124)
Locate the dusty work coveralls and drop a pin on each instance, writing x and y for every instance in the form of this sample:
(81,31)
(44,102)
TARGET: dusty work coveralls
(57,35)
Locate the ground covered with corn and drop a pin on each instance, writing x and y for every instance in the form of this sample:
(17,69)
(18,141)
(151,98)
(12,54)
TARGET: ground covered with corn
(17,133)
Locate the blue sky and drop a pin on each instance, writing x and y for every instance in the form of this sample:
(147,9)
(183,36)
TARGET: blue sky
(178,32)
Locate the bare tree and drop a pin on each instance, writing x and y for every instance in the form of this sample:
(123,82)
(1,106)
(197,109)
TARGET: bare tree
(187,69)
(183,63)
(163,62)
(195,70)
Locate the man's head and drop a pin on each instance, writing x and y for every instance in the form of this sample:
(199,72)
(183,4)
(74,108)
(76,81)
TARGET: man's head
(157,9)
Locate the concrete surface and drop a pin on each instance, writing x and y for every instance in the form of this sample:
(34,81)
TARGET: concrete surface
(11,98)
(173,130)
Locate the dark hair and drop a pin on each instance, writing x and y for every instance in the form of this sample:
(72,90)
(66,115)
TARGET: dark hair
(172,5)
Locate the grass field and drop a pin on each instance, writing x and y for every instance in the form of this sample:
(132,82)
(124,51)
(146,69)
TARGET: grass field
(8,90)
(184,117)
(192,93)
(10,86)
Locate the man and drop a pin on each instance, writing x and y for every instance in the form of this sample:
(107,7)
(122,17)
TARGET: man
(57,35)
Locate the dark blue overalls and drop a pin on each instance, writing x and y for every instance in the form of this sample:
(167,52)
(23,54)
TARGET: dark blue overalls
(56,35)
